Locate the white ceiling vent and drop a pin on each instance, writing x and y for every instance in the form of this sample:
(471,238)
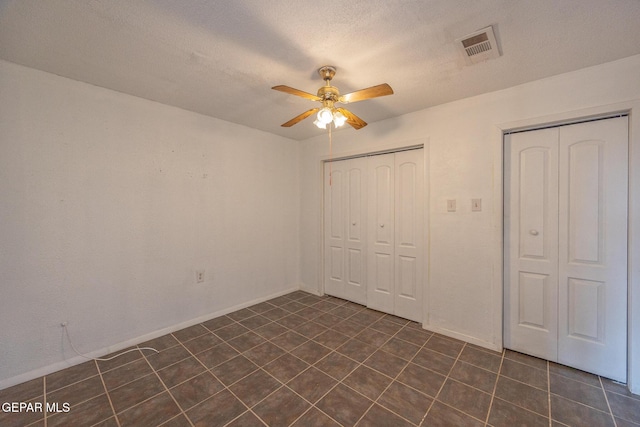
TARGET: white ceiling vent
(479,46)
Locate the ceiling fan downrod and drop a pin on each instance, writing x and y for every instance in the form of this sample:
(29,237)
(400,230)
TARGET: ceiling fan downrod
(327,72)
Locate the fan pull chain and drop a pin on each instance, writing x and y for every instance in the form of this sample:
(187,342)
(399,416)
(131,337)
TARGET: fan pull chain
(330,153)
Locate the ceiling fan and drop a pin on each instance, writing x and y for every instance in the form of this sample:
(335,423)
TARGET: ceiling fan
(328,96)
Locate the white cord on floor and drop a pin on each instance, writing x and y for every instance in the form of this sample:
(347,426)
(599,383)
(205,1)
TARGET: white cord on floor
(66,331)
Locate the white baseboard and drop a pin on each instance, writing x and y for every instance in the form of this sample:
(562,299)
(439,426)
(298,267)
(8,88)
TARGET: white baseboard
(76,360)
(463,337)
(310,290)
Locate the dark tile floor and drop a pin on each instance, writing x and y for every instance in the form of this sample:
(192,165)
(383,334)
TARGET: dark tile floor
(304,360)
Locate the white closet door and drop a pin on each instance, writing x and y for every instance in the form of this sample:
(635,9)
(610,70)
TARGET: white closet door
(374,231)
(593,247)
(396,233)
(531,243)
(380,260)
(566,245)
(345,229)
(409,232)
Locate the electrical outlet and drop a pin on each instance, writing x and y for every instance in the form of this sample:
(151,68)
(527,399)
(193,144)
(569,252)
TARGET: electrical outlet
(199,276)
(451,205)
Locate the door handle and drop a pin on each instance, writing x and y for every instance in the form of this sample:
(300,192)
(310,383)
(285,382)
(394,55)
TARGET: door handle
(533,232)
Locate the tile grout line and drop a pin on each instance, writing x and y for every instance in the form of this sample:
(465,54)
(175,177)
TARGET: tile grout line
(312,405)
(106,392)
(495,387)
(478,389)
(546,389)
(99,374)
(411,361)
(375,370)
(549,392)
(44,397)
(249,409)
(284,385)
(442,386)
(182,412)
(581,404)
(358,364)
(578,380)
(606,398)
(241,414)
(609,412)
(207,369)
(578,402)
(393,379)
(402,370)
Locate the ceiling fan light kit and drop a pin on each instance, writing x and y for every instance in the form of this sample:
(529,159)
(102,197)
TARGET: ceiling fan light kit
(328,96)
(326,115)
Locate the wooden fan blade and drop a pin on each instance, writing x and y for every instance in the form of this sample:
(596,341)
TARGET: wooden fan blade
(300,117)
(368,93)
(292,91)
(355,121)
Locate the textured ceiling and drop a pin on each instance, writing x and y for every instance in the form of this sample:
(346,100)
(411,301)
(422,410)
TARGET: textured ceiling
(221,58)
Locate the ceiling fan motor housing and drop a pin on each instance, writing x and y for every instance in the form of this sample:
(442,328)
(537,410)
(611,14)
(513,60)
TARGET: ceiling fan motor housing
(329,95)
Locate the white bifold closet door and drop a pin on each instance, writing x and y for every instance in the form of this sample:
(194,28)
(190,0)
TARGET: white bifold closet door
(566,245)
(395,233)
(374,233)
(345,216)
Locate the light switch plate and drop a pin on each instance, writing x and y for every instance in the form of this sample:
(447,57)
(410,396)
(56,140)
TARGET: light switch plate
(199,276)
(476,205)
(451,205)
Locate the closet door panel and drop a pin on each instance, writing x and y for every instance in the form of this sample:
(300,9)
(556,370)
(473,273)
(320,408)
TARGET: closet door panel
(531,250)
(355,239)
(336,260)
(334,229)
(409,215)
(381,286)
(355,268)
(593,247)
(345,229)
